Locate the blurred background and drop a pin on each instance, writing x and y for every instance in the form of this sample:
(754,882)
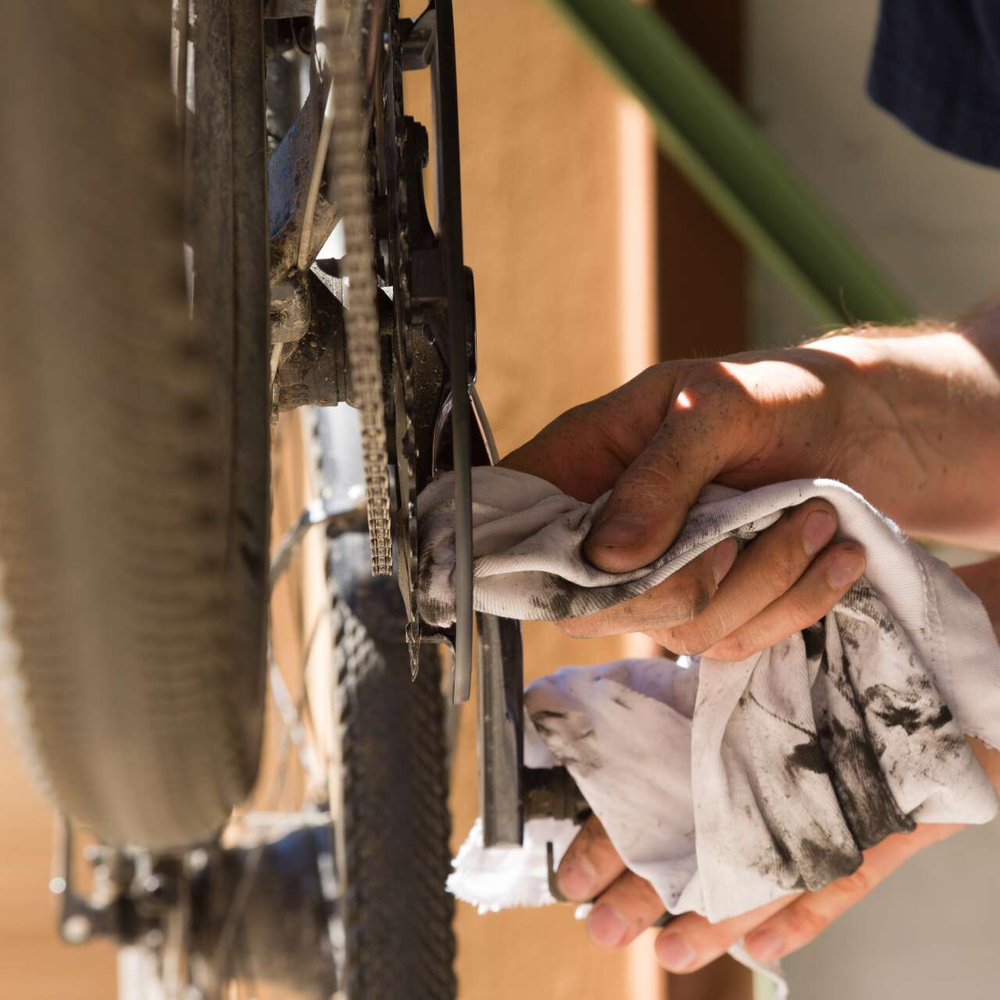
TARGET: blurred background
(594,259)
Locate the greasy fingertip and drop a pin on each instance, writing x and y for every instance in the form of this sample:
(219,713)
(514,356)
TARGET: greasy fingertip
(764,945)
(577,878)
(590,863)
(846,566)
(618,531)
(614,544)
(674,953)
(606,926)
(818,529)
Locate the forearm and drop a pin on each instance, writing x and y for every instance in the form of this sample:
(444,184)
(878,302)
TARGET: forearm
(920,431)
(910,418)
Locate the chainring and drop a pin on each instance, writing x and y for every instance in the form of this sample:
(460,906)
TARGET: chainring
(419,368)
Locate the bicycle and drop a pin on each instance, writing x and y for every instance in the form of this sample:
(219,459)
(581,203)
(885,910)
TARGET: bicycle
(162,365)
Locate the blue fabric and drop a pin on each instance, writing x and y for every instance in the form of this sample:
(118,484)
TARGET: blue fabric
(936,67)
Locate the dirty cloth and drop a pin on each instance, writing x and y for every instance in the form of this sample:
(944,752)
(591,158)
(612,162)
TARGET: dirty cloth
(728,785)
(498,878)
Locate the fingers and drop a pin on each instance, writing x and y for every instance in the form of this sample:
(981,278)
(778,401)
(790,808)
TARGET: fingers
(584,450)
(828,578)
(730,606)
(683,596)
(766,569)
(589,865)
(627,904)
(809,914)
(690,941)
(703,433)
(624,911)
(630,905)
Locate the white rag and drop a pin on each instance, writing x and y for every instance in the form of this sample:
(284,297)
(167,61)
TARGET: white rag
(728,785)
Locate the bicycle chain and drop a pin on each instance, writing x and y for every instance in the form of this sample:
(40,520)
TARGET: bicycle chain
(351,175)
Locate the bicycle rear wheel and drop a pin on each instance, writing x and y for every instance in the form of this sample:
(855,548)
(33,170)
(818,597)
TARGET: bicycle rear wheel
(133,438)
(390,790)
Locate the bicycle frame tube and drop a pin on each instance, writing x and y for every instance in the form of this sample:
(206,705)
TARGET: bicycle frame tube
(716,146)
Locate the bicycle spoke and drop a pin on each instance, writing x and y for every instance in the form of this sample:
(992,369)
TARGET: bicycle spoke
(318,512)
(293,722)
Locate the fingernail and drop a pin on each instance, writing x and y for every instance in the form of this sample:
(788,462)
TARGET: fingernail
(845,569)
(618,531)
(577,879)
(606,926)
(765,945)
(817,531)
(674,952)
(723,559)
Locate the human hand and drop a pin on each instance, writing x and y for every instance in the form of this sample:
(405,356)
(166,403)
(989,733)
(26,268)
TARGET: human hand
(626,905)
(656,441)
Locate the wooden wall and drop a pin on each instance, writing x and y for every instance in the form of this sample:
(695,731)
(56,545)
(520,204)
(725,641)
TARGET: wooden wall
(34,963)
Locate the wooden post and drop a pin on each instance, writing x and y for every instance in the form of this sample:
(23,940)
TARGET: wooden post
(701,267)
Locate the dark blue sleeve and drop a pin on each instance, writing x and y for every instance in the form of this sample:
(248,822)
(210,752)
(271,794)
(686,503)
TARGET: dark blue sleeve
(936,67)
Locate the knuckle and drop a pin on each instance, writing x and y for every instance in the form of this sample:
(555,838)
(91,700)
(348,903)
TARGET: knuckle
(676,602)
(629,616)
(636,898)
(650,477)
(690,599)
(801,610)
(707,377)
(692,638)
(855,885)
(734,647)
(580,413)
(805,604)
(685,645)
(577,628)
(803,924)
(715,388)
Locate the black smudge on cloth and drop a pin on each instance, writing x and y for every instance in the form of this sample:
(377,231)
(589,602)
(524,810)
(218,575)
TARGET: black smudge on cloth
(865,798)
(569,735)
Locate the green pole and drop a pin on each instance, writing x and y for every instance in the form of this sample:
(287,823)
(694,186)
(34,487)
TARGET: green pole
(722,154)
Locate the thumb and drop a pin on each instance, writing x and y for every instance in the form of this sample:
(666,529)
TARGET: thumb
(651,498)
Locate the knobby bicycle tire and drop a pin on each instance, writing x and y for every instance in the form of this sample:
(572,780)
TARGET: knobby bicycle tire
(133,441)
(392,819)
